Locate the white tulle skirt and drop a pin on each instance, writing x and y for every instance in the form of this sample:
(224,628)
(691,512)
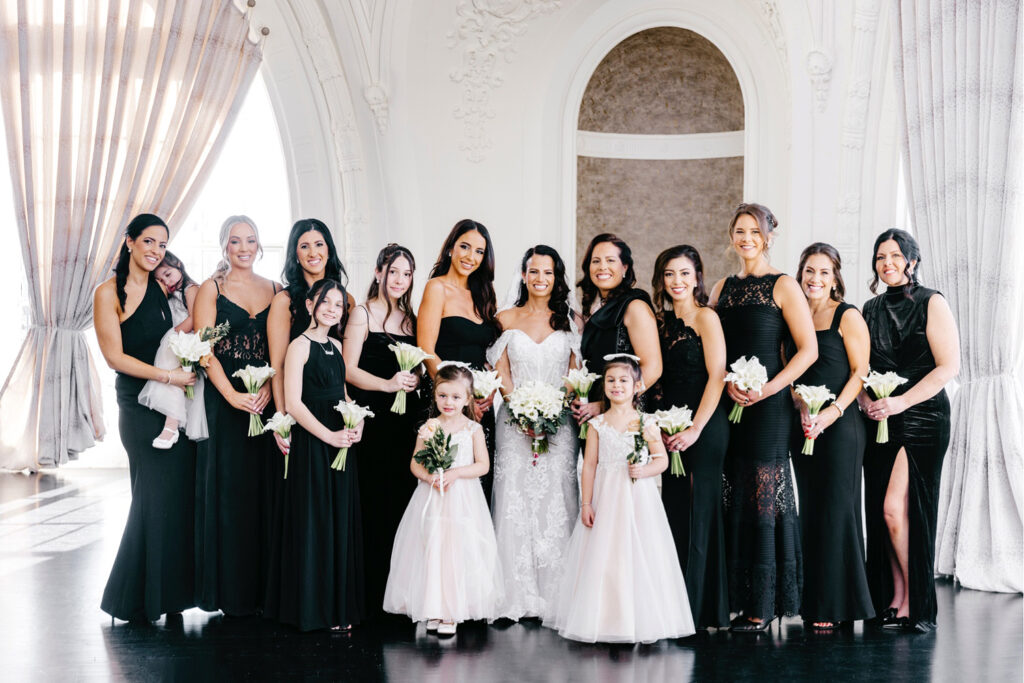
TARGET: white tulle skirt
(444,563)
(622,581)
(170,400)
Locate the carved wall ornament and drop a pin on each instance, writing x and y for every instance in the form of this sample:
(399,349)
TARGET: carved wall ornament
(819,67)
(485,31)
(377,97)
(772,13)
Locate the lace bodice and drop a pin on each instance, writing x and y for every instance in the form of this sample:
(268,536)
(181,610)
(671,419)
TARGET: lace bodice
(463,440)
(615,446)
(544,362)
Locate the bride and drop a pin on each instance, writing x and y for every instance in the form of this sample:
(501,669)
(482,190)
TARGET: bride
(535,502)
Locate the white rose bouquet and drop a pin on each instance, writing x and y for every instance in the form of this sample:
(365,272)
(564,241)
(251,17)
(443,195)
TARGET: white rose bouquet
(282,424)
(485,382)
(581,381)
(882,385)
(437,454)
(540,408)
(409,357)
(747,375)
(189,349)
(814,398)
(353,414)
(673,421)
(253,378)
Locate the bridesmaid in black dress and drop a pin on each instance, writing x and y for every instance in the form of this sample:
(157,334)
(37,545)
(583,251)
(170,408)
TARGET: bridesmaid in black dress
(374,378)
(913,334)
(835,585)
(760,308)
(693,352)
(153,570)
(619,317)
(236,474)
(458,313)
(316,574)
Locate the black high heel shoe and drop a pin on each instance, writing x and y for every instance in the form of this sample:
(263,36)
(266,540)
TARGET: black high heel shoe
(887,617)
(749,626)
(898,624)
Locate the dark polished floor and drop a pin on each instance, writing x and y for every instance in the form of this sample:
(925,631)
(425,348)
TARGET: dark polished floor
(59,533)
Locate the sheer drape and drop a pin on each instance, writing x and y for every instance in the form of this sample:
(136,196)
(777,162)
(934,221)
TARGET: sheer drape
(111,108)
(959,81)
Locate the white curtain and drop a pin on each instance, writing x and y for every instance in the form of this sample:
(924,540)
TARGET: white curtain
(958,72)
(111,108)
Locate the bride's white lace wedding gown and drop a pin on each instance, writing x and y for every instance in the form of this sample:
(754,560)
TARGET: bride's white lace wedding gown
(535,503)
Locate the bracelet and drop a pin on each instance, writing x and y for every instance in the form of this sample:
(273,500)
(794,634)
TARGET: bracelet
(839,408)
(167,380)
(586,505)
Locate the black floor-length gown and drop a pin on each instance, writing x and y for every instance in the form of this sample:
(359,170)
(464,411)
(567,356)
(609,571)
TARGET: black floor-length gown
(605,333)
(899,342)
(693,503)
(828,483)
(238,478)
(762,535)
(316,571)
(153,570)
(461,339)
(385,484)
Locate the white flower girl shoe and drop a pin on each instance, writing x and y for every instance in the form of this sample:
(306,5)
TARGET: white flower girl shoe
(165,443)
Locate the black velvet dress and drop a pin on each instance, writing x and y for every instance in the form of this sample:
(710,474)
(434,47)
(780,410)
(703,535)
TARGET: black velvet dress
(899,342)
(152,573)
(385,484)
(762,533)
(694,503)
(605,333)
(463,340)
(835,586)
(316,572)
(238,478)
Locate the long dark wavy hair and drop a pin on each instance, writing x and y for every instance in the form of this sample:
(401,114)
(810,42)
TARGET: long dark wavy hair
(661,300)
(173,261)
(911,252)
(291,274)
(317,293)
(825,249)
(559,301)
(481,280)
(385,259)
(451,373)
(590,291)
(124,257)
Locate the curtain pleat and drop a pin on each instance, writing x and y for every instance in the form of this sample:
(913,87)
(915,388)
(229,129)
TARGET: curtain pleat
(111,108)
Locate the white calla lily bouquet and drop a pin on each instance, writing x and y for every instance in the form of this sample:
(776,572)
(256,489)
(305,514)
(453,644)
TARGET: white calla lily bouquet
(485,382)
(540,408)
(409,357)
(253,378)
(281,424)
(814,397)
(747,375)
(581,381)
(189,348)
(673,421)
(882,385)
(352,413)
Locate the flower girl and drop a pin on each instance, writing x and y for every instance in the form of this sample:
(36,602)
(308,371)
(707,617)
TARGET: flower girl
(444,565)
(164,398)
(622,582)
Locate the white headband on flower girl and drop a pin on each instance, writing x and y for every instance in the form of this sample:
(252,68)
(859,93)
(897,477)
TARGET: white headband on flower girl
(459,363)
(613,356)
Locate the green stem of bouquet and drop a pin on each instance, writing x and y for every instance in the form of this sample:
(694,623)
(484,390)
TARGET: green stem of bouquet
(398,407)
(677,464)
(883,431)
(339,461)
(736,414)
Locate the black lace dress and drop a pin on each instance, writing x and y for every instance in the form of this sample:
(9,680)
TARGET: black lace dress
(316,572)
(694,503)
(238,478)
(762,534)
(152,573)
(828,482)
(899,342)
(605,333)
(385,485)
(463,340)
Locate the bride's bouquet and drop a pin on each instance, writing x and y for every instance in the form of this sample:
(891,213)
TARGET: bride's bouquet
(882,385)
(189,348)
(485,382)
(437,454)
(581,381)
(540,408)
(673,421)
(282,424)
(641,453)
(352,413)
(409,357)
(747,375)
(253,378)
(814,398)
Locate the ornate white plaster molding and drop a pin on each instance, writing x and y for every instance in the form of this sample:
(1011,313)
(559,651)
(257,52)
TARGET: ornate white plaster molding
(660,147)
(370,22)
(377,97)
(485,31)
(772,14)
(819,68)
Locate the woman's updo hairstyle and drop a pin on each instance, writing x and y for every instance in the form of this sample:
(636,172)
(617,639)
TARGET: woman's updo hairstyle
(911,252)
(766,221)
(839,291)
(221,271)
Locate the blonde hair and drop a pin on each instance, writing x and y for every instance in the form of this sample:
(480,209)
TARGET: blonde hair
(224,267)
